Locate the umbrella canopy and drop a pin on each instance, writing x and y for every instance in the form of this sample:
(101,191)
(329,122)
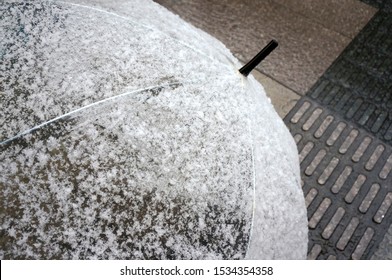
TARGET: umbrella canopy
(126,133)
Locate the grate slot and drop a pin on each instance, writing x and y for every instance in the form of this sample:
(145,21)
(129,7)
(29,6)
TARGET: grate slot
(355,188)
(297,138)
(386,168)
(369,198)
(374,157)
(385,205)
(365,117)
(349,140)
(314,252)
(323,127)
(361,149)
(342,179)
(300,112)
(310,121)
(316,161)
(379,122)
(305,151)
(348,232)
(336,133)
(333,223)
(328,171)
(363,243)
(310,197)
(319,213)
(354,108)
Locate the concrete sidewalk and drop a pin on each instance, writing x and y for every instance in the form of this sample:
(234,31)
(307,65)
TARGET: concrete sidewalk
(311,35)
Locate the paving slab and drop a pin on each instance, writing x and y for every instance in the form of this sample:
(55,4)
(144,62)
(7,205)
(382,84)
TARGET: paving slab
(308,45)
(346,17)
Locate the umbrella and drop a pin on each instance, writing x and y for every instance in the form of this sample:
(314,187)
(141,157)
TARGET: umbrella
(126,133)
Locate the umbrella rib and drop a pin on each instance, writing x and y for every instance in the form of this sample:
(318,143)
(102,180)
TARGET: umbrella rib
(148,27)
(249,123)
(86,107)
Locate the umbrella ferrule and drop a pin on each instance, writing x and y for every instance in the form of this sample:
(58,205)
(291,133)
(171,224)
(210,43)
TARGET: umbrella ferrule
(247,68)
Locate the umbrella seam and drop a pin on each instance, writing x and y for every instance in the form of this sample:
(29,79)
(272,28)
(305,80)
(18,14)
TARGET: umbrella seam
(254,191)
(86,107)
(249,122)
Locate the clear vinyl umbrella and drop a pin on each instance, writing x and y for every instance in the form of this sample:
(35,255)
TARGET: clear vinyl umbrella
(126,133)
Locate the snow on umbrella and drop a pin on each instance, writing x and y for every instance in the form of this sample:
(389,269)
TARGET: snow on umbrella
(127,133)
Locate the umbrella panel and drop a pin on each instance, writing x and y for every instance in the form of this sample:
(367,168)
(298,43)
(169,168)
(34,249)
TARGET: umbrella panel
(124,180)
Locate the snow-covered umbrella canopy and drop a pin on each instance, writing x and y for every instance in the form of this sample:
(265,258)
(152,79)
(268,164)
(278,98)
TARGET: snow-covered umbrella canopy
(126,133)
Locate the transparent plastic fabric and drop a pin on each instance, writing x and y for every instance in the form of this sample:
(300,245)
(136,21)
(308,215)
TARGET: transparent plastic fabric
(126,133)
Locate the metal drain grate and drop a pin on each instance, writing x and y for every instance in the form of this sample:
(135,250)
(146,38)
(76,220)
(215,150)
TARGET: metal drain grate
(347,182)
(358,85)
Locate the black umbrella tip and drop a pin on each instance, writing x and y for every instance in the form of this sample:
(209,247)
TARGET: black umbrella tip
(247,68)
